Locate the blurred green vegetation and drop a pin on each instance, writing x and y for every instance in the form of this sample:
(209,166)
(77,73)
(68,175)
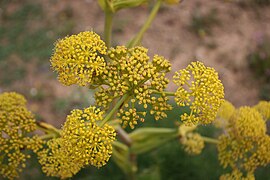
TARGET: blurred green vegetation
(259,63)
(201,23)
(27,36)
(253,2)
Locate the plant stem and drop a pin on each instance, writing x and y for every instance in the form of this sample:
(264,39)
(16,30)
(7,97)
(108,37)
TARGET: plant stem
(115,108)
(47,136)
(210,140)
(108,25)
(124,136)
(48,128)
(137,39)
(134,168)
(165,92)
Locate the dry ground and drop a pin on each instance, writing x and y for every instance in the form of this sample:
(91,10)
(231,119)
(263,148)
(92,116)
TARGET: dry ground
(231,37)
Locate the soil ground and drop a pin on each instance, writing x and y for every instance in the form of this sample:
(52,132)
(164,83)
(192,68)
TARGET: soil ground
(219,33)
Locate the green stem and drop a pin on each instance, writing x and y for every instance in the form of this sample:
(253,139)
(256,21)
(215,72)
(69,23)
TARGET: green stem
(151,130)
(120,145)
(210,140)
(48,128)
(115,108)
(124,136)
(165,92)
(47,136)
(137,39)
(108,25)
(151,143)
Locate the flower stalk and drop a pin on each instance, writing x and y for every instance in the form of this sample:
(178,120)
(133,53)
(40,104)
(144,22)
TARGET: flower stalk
(108,26)
(210,140)
(115,108)
(138,38)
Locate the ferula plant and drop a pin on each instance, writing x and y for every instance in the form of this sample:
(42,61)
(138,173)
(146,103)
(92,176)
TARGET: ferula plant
(128,86)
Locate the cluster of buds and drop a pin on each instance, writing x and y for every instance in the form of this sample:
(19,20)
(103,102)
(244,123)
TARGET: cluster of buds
(201,90)
(129,71)
(83,142)
(16,125)
(192,142)
(246,144)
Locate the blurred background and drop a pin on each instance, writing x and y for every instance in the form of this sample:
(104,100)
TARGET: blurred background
(231,36)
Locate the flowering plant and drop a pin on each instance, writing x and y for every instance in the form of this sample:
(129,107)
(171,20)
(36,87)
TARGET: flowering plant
(128,85)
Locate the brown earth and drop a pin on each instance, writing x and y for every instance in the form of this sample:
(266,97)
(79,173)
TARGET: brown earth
(235,34)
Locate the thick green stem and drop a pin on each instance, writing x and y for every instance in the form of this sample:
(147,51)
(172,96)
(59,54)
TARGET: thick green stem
(137,39)
(147,139)
(108,24)
(210,140)
(115,108)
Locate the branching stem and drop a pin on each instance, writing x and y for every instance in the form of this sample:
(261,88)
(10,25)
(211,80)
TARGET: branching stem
(115,108)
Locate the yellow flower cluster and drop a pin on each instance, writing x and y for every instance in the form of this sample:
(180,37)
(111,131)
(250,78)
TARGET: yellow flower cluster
(247,122)
(78,58)
(16,122)
(264,108)
(199,88)
(131,71)
(246,144)
(237,175)
(193,143)
(224,113)
(82,142)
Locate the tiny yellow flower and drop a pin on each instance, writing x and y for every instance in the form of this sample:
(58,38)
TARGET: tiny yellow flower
(131,71)
(83,142)
(263,107)
(59,160)
(237,175)
(78,59)
(224,113)
(201,90)
(245,145)
(16,122)
(247,122)
(193,143)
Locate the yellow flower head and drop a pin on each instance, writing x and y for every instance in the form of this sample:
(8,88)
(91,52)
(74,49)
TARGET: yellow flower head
(131,71)
(263,107)
(225,111)
(247,122)
(78,58)
(82,142)
(246,154)
(193,143)
(199,88)
(92,143)
(246,144)
(183,129)
(237,175)
(59,159)
(16,122)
